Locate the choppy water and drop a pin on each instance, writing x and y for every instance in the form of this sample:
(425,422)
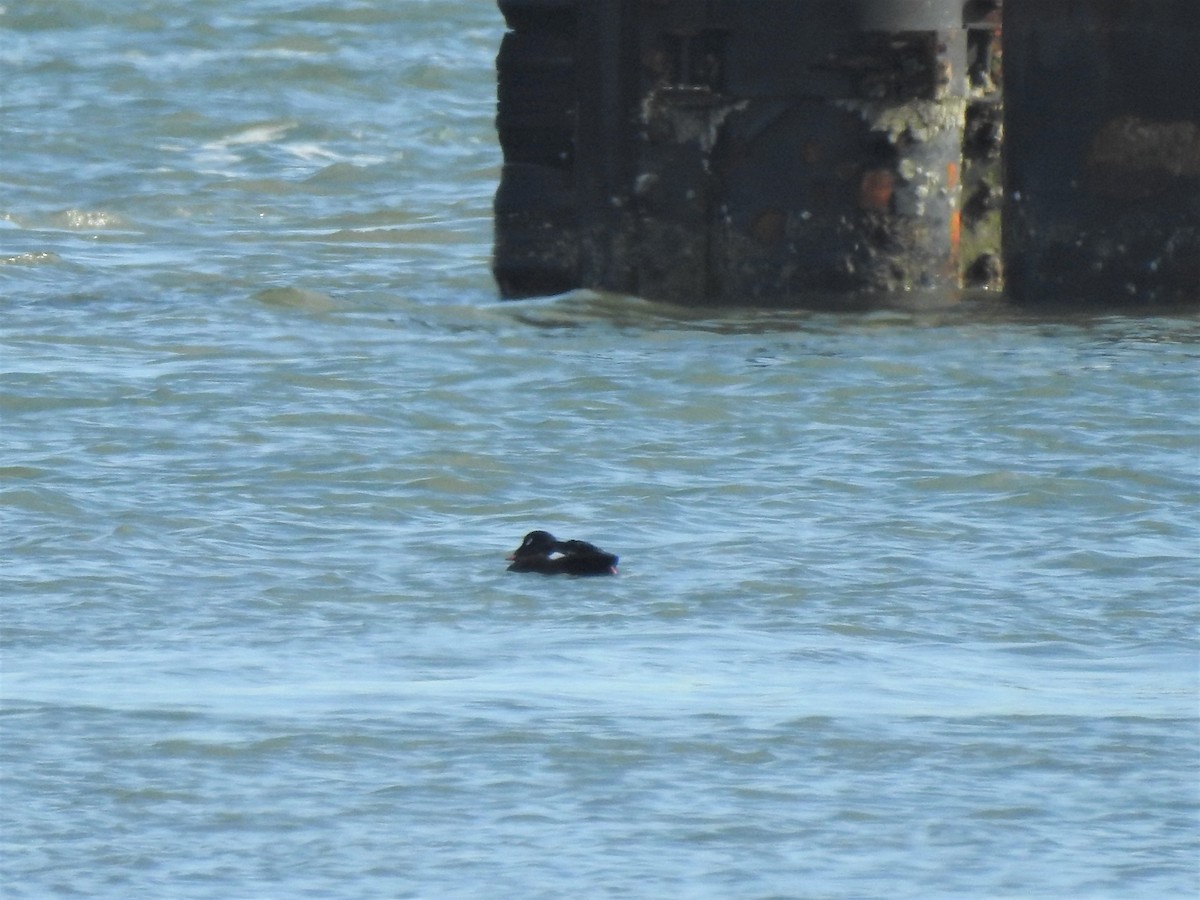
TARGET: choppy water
(908,603)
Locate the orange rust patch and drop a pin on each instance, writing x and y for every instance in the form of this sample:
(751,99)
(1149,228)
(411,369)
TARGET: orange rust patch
(875,189)
(951,175)
(955,231)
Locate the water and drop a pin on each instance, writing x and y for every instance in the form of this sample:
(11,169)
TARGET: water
(908,602)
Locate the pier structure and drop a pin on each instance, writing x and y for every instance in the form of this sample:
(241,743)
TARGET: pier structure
(849,152)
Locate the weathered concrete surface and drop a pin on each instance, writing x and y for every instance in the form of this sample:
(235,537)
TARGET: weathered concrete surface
(1102,148)
(773,152)
(983,141)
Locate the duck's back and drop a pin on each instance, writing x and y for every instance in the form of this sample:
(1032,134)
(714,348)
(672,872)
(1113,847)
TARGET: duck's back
(582,558)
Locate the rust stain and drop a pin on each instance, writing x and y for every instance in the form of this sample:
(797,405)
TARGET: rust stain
(875,189)
(955,232)
(951,175)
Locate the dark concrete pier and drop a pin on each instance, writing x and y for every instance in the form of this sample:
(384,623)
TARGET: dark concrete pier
(1102,148)
(848,152)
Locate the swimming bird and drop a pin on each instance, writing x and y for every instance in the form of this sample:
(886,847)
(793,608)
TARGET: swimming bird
(542,552)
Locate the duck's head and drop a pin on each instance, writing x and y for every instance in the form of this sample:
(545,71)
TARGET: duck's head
(536,543)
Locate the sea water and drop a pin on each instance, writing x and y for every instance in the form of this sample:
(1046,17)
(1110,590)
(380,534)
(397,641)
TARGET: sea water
(908,601)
